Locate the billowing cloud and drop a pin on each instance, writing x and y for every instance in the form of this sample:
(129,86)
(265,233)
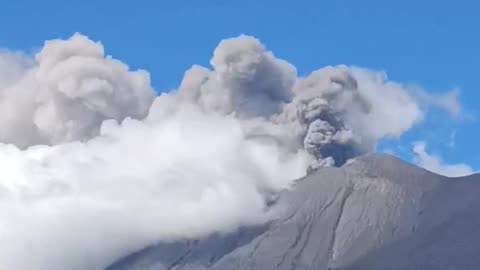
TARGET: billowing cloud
(94,165)
(247,80)
(66,92)
(141,182)
(435,164)
(335,112)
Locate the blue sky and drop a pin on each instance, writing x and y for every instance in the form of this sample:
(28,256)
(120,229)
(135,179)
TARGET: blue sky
(430,43)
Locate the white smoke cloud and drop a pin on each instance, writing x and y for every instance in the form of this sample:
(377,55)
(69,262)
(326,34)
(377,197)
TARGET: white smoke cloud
(134,184)
(94,166)
(435,164)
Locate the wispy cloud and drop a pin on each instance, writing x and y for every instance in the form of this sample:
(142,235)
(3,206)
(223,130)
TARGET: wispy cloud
(435,163)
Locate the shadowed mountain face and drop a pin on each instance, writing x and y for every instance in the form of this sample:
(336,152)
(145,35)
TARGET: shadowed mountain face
(375,213)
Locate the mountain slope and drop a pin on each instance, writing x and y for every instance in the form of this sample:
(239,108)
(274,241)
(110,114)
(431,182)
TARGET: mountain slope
(375,213)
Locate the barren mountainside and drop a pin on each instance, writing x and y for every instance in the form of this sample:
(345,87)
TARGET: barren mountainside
(377,212)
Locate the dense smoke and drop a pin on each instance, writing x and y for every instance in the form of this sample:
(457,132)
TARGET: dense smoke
(95,165)
(335,113)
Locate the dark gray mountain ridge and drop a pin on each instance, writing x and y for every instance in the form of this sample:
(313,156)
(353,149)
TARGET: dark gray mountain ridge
(377,212)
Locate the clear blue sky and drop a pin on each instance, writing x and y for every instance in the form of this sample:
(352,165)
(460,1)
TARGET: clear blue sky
(431,43)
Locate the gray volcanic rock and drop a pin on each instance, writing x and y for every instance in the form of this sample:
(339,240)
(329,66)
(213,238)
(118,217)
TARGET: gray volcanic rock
(377,212)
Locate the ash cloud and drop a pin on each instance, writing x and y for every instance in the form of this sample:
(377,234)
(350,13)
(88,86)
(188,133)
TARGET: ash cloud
(95,165)
(335,113)
(66,92)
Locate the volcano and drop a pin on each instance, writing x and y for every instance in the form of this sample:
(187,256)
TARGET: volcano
(376,212)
